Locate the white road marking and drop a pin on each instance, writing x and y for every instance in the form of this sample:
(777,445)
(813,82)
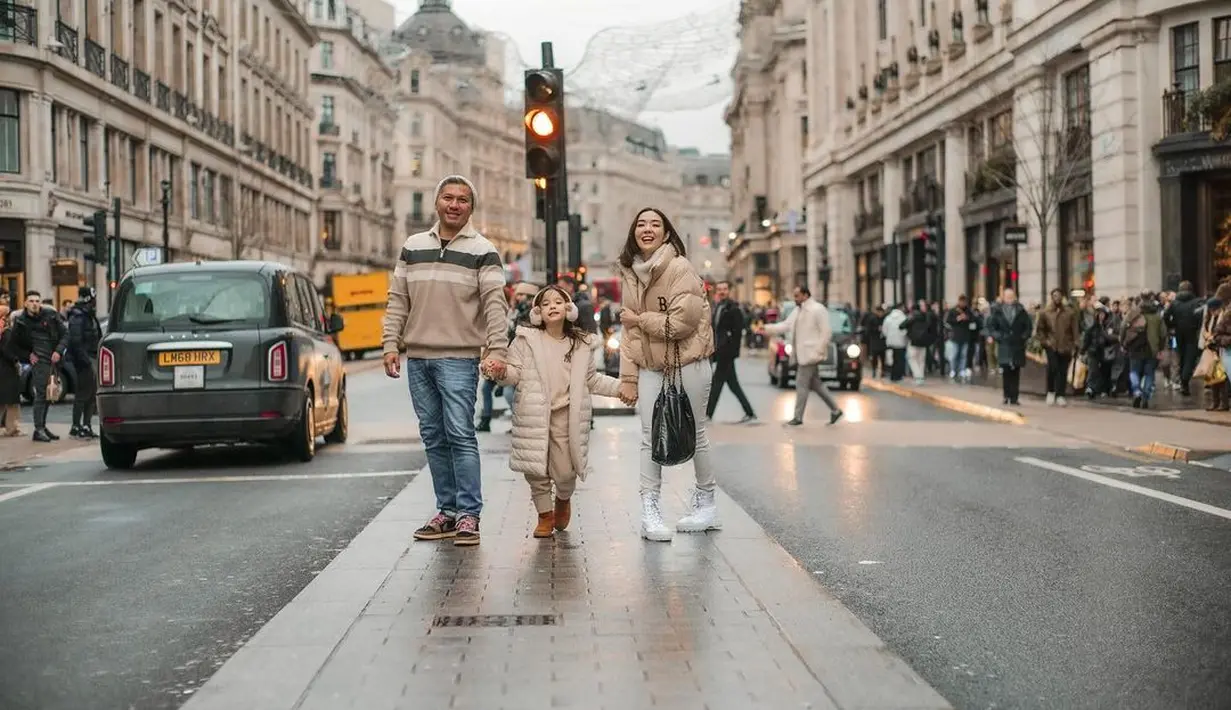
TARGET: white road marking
(27,490)
(1125,486)
(1135,471)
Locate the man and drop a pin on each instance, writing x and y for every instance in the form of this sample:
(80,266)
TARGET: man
(1183,317)
(963,331)
(1059,333)
(447,306)
(922,328)
(728,330)
(874,340)
(84,334)
(39,338)
(1143,339)
(894,330)
(810,334)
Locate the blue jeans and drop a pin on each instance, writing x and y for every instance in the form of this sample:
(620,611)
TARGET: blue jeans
(442,392)
(486,392)
(1141,376)
(956,353)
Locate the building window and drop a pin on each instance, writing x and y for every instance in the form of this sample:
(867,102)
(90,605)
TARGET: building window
(803,131)
(132,171)
(882,20)
(416,208)
(414,81)
(326,110)
(108,136)
(1077,98)
(208,186)
(318,9)
(10,132)
(329,169)
(1185,62)
(331,230)
(1222,49)
(326,55)
(194,192)
(1077,244)
(416,164)
(1001,134)
(83,129)
(416,124)
(333,9)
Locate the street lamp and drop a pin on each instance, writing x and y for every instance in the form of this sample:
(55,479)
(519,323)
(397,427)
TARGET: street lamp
(166,213)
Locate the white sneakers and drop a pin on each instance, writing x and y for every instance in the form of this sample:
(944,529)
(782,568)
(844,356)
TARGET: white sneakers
(1054,399)
(702,517)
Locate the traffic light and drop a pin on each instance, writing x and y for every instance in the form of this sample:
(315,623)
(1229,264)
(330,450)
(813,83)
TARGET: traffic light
(931,241)
(540,198)
(581,274)
(97,239)
(544,121)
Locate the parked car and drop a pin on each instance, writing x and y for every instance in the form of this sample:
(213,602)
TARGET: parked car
(841,365)
(218,353)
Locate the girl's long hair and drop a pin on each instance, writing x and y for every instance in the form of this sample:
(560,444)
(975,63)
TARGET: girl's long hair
(670,236)
(575,335)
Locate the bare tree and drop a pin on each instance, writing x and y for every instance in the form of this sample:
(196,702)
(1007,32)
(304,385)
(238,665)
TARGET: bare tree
(1046,152)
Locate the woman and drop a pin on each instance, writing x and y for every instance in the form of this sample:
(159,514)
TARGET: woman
(1010,327)
(10,380)
(664,309)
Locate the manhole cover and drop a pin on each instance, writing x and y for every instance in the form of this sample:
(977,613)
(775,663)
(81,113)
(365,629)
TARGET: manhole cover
(497,620)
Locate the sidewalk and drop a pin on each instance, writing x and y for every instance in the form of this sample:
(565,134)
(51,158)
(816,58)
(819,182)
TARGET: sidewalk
(596,618)
(1169,436)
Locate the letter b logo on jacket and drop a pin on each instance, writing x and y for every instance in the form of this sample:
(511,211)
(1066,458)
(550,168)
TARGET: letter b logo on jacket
(662,304)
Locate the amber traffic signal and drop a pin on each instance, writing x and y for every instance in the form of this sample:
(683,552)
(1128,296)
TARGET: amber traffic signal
(544,120)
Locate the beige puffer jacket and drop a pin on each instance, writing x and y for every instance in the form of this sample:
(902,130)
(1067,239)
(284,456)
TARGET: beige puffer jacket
(665,288)
(526,363)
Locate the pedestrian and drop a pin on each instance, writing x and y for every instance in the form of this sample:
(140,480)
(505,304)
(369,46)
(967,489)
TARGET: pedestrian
(520,296)
(1216,383)
(810,333)
(39,338)
(549,362)
(728,323)
(10,378)
(84,336)
(447,307)
(586,319)
(1183,317)
(664,312)
(922,329)
(894,330)
(1009,326)
(963,330)
(874,340)
(1143,340)
(1100,345)
(1059,332)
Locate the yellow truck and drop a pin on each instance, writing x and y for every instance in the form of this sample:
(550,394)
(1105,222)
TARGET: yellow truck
(360,300)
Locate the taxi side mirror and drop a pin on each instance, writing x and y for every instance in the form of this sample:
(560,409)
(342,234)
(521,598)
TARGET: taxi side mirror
(336,324)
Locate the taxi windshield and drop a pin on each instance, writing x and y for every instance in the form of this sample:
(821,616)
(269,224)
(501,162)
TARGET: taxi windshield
(192,301)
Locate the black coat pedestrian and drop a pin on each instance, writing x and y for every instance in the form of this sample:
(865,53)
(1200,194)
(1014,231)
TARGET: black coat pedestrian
(10,372)
(40,335)
(84,334)
(1010,326)
(728,330)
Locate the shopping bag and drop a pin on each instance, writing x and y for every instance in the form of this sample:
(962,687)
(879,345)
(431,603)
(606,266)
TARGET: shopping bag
(1205,366)
(673,428)
(54,388)
(1080,372)
(1217,375)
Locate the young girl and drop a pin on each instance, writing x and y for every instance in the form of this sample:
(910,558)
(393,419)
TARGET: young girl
(551,365)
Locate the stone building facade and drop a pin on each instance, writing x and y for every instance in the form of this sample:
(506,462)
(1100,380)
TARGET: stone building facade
(703,217)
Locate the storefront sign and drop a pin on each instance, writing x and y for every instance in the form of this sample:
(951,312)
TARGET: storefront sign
(1174,167)
(1015,234)
(12,204)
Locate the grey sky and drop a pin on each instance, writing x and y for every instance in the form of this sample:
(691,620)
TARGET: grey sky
(572,26)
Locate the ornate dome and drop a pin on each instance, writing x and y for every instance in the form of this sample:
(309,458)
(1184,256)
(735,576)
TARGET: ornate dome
(436,30)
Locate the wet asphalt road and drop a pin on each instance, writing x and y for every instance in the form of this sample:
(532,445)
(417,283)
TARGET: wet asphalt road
(1006,584)
(130,595)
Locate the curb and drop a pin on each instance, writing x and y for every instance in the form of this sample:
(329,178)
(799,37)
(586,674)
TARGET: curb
(1164,451)
(982,411)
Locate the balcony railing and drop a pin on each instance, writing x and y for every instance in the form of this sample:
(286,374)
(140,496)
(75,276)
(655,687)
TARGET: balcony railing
(871,219)
(998,172)
(95,58)
(330,182)
(119,71)
(356,189)
(923,195)
(18,24)
(1196,111)
(163,96)
(330,129)
(67,36)
(180,105)
(1072,145)
(141,85)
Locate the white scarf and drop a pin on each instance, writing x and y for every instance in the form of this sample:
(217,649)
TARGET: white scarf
(643,268)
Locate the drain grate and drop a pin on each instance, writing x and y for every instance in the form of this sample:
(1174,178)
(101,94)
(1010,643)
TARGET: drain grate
(497,620)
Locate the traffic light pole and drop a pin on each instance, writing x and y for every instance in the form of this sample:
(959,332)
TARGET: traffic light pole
(551,232)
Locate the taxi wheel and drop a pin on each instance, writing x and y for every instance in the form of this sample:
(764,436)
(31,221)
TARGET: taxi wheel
(302,443)
(117,456)
(341,427)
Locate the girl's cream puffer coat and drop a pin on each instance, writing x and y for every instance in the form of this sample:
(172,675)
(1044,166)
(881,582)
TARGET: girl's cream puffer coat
(531,413)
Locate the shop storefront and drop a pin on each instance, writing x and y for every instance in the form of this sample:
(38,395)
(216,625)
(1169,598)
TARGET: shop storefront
(990,261)
(868,289)
(1195,185)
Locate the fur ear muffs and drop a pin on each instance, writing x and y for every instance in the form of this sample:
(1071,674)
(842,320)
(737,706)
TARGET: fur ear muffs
(571,314)
(536,316)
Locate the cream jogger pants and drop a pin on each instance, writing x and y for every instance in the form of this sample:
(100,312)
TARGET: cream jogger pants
(696,378)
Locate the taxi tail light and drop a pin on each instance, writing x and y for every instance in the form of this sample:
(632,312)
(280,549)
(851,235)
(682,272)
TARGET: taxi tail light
(106,367)
(277,370)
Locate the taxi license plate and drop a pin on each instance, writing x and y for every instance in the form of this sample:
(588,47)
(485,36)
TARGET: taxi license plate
(828,372)
(179,358)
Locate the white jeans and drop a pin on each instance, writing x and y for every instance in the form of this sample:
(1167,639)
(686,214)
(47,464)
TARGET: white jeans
(917,357)
(696,377)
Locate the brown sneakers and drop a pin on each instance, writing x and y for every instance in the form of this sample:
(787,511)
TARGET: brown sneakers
(438,528)
(546,525)
(563,514)
(467,531)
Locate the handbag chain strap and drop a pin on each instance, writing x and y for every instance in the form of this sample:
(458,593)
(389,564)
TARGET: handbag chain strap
(674,363)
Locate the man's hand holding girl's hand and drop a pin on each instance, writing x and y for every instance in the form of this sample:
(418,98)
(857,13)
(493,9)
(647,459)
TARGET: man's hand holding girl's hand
(493,369)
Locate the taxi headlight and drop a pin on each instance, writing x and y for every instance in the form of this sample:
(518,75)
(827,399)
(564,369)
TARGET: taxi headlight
(852,351)
(613,343)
